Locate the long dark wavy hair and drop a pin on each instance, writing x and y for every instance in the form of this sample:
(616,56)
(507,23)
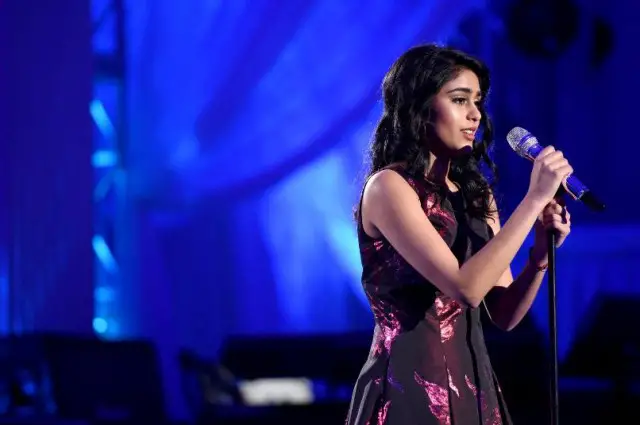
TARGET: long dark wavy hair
(402,134)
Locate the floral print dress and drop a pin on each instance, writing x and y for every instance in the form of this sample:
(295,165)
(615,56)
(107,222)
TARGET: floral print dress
(428,362)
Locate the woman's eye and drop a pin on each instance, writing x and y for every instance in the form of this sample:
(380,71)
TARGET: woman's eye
(460,100)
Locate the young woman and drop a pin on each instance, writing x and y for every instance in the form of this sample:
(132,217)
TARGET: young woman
(433,250)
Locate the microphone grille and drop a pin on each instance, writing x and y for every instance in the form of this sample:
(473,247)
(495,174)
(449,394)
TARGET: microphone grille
(521,141)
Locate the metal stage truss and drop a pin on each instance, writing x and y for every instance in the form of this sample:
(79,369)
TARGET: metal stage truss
(109,113)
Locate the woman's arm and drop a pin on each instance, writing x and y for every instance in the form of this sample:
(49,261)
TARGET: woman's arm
(393,208)
(510,300)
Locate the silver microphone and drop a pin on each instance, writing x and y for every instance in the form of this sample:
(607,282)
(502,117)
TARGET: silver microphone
(527,146)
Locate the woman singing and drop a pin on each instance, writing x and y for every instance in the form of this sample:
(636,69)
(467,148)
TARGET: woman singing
(433,250)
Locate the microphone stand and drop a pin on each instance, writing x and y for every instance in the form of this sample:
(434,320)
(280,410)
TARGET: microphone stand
(553,331)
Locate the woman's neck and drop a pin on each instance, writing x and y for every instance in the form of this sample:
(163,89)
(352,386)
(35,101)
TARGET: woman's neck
(438,171)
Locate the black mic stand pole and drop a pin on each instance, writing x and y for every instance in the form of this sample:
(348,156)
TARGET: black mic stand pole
(553,330)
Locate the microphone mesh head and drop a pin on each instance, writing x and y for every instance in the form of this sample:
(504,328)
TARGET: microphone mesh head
(521,140)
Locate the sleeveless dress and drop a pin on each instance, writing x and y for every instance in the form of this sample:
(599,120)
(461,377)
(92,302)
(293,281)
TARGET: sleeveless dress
(428,363)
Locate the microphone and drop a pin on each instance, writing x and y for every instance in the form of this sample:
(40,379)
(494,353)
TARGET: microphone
(527,146)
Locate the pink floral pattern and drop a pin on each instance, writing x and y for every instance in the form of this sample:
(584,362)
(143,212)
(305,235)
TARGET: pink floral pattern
(447,311)
(491,415)
(438,399)
(425,344)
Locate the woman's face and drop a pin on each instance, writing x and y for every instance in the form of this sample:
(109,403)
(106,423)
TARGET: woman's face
(456,116)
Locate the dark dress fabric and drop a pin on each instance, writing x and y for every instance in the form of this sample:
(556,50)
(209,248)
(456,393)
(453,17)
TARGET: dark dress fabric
(428,362)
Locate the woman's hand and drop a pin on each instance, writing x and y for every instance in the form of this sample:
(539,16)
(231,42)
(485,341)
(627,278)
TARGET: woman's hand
(553,217)
(550,170)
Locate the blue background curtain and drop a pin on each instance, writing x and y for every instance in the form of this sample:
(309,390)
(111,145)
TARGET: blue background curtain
(249,124)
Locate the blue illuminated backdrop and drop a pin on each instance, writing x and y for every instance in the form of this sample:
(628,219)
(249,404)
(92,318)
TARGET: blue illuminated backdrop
(248,124)
(227,156)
